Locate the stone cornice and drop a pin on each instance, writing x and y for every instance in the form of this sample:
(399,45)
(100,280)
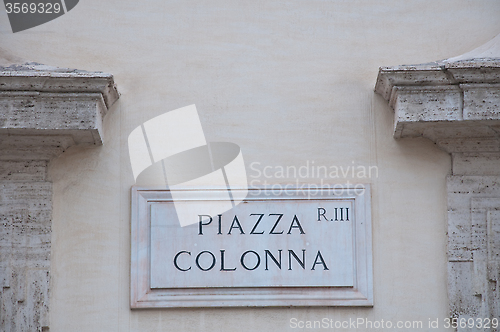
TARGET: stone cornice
(447,102)
(42,78)
(441,74)
(44,110)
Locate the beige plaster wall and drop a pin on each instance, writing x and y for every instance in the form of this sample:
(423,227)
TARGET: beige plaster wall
(290,82)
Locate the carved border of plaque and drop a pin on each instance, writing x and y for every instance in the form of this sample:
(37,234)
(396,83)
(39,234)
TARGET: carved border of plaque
(144,296)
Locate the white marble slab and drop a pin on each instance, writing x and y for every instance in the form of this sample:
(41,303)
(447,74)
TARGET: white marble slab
(297,249)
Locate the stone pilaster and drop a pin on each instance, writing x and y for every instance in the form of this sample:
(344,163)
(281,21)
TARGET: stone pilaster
(43,111)
(456,104)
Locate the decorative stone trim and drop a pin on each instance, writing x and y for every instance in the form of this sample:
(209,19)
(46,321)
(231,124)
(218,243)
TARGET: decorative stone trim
(39,102)
(452,104)
(43,111)
(456,104)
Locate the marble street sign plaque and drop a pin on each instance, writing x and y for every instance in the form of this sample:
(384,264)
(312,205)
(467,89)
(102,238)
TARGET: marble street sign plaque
(299,248)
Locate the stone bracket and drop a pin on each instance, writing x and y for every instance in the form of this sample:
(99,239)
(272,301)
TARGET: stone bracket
(43,111)
(456,104)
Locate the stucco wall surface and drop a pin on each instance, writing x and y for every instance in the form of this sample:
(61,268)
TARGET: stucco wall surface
(290,82)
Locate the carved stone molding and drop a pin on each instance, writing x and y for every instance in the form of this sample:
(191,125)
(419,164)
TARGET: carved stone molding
(456,104)
(43,111)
